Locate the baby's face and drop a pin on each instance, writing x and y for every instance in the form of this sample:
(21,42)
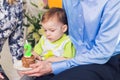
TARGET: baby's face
(53,29)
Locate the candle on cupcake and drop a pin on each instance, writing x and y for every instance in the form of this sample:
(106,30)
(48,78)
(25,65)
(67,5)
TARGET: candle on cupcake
(28,49)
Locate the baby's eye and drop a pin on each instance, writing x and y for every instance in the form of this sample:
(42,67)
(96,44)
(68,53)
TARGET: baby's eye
(52,30)
(45,30)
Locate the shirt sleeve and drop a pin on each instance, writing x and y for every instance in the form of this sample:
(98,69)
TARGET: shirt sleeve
(105,41)
(69,50)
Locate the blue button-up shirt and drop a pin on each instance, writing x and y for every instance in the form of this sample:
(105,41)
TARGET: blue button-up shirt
(94,28)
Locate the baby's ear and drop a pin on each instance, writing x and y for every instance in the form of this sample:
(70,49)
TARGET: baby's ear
(64,28)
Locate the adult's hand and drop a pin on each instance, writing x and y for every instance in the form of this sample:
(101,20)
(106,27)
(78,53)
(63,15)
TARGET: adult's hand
(1,77)
(40,68)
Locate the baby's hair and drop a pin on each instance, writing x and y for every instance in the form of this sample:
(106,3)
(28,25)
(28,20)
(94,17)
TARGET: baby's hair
(55,12)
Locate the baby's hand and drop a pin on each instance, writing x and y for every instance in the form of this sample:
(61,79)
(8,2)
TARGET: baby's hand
(39,58)
(36,56)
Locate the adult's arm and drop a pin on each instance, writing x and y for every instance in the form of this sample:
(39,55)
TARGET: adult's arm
(105,42)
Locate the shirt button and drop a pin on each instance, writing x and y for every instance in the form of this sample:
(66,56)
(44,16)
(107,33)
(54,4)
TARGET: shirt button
(91,0)
(79,15)
(80,30)
(73,5)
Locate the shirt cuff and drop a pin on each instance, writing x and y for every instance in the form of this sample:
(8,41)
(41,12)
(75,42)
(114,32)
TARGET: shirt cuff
(58,67)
